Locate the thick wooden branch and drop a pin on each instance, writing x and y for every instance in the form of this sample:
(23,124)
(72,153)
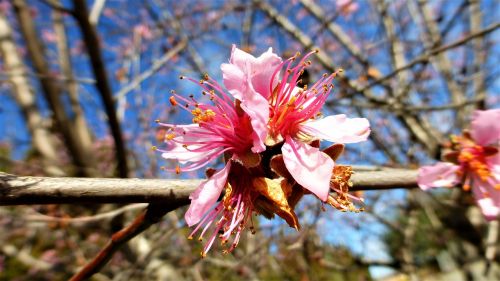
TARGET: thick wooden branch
(17,190)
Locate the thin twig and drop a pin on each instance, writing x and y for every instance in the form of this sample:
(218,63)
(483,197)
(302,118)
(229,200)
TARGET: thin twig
(425,58)
(151,215)
(154,68)
(84,219)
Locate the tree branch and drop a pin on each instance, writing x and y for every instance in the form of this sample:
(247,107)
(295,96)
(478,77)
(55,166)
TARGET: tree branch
(92,43)
(151,215)
(50,88)
(426,57)
(159,63)
(17,190)
(25,97)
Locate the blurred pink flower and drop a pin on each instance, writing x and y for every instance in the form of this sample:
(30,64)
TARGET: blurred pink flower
(144,31)
(295,118)
(49,36)
(475,163)
(346,7)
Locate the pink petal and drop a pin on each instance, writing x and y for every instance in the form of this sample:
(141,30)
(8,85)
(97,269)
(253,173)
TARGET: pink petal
(178,152)
(489,209)
(262,71)
(247,78)
(240,58)
(235,80)
(487,197)
(206,195)
(189,133)
(338,128)
(257,71)
(257,107)
(485,126)
(440,175)
(310,167)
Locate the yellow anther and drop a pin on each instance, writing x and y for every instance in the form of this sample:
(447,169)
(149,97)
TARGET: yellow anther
(196,112)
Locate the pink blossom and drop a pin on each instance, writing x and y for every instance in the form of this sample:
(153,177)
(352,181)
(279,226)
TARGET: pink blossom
(295,118)
(247,78)
(217,128)
(266,111)
(49,36)
(475,163)
(144,31)
(220,128)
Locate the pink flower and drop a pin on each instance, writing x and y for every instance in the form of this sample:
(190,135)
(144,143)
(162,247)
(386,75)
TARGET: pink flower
(248,78)
(220,128)
(295,118)
(144,31)
(270,112)
(217,128)
(475,163)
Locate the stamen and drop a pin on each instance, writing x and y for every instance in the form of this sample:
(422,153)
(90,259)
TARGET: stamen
(172,100)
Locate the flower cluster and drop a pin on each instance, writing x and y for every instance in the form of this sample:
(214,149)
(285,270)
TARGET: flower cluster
(268,128)
(473,161)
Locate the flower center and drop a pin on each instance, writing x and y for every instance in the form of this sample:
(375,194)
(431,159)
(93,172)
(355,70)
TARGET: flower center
(291,104)
(473,157)
(200,116)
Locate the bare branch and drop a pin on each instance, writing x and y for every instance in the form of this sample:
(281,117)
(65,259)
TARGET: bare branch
(15,190)
(85,219)
(26,99)
(50,88)
(336,31)
(92,43)
(425,57)
(440,61)
(151,215)
(478,80)
(78,122)
(96,11)
(154,68)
